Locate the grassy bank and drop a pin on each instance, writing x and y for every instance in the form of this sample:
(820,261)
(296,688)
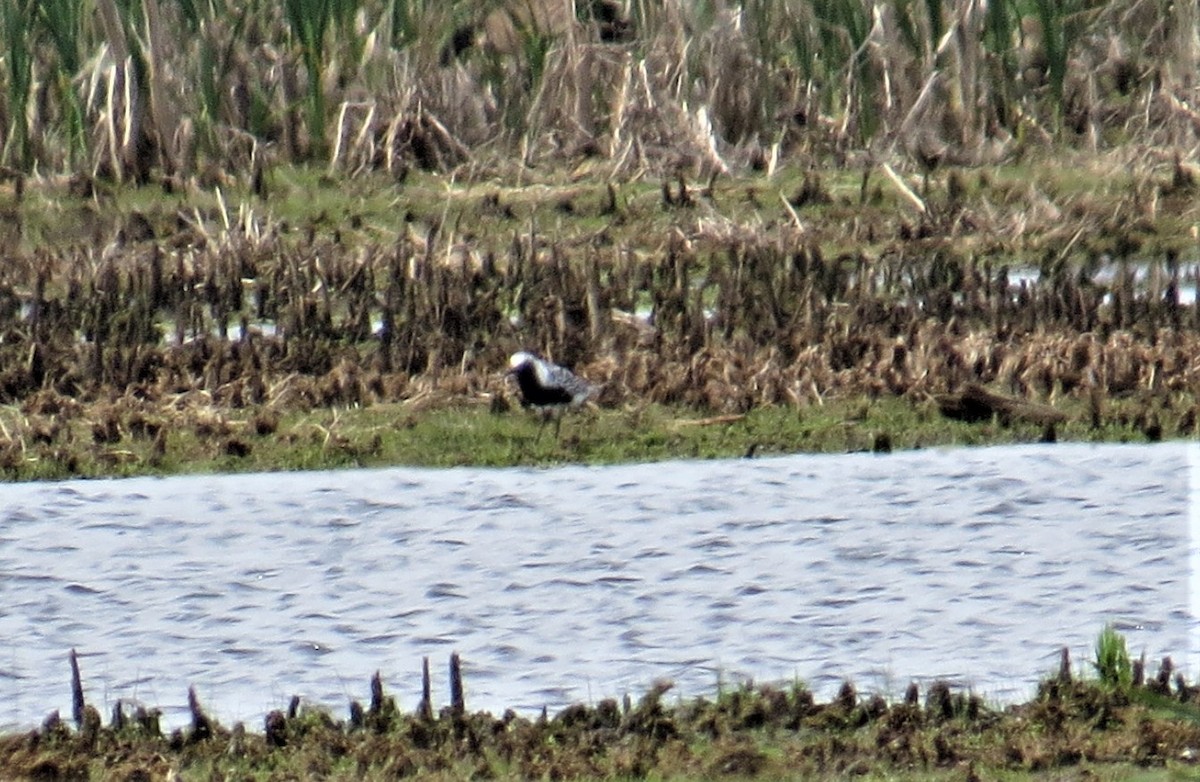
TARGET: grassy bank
(53,446)
(1118,722)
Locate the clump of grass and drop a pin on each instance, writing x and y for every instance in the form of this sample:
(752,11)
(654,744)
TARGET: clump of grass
(1112,662)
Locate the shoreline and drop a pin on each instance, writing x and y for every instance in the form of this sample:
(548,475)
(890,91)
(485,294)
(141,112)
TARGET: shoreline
(1070,722)
(391,435)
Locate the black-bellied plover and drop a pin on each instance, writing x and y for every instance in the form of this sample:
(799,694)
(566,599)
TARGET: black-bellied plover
(547,387)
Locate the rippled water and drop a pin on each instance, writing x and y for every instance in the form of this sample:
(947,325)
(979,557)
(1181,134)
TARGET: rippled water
(578,583)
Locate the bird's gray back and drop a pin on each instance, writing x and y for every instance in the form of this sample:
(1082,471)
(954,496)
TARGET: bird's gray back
(554,376)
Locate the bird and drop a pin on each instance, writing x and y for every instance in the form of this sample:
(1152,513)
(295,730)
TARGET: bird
(548,387)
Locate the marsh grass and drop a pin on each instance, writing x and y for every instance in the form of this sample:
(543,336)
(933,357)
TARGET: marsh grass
(176,91)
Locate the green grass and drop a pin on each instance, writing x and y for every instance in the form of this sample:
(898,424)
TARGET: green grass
(1112,662)
(210,441)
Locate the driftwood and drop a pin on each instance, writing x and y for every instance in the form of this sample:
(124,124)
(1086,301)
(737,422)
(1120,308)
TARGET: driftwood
(974,403)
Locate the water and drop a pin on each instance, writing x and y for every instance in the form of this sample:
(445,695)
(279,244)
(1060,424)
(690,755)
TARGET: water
(574,584)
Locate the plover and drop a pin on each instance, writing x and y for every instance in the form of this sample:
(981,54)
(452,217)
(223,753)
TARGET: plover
(548,387)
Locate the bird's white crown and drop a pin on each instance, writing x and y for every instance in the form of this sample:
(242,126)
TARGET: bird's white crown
(520,359)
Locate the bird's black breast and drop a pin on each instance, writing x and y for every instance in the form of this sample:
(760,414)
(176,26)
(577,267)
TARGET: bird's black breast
(534,394)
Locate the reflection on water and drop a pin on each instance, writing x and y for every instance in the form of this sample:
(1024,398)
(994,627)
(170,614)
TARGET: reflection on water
(577,583)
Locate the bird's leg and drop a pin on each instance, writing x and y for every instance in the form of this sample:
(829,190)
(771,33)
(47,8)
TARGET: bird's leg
(558,425)
(542,426)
